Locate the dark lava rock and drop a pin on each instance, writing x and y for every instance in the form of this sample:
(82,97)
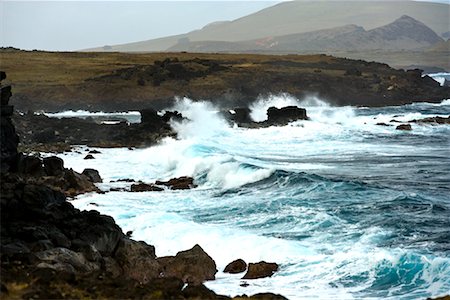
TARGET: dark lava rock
(144,187)
(241,115)
(89,156)
(30,165)
(181,183)
(92,175)
(54,166)
(265,296)
(237,266)
(433,120)
(137,260)
(94,152)
(282,116)
(201,292)
(382,124)
(260,270)
(404,127)
(193,266)
(75,183)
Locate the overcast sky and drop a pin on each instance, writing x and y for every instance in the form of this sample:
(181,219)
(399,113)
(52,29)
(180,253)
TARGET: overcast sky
(75,25)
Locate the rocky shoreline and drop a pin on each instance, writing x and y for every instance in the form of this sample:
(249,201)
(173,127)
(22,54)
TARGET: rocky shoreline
(50,250)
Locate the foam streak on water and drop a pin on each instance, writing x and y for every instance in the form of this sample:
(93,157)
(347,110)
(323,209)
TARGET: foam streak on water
(348,208)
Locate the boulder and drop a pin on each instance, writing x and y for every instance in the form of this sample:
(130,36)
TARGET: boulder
(89,156)
(237,266)
(30,165)
(193,266)
(74,183)
(406,127)
(137,260)
(260,270)
(282,116)
(65,260)
(53,165)
(240,115)
(180,183)
(92,175)
(144,187)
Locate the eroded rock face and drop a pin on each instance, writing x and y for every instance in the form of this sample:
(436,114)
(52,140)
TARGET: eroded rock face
(193,266)
(237,266)
(260,270)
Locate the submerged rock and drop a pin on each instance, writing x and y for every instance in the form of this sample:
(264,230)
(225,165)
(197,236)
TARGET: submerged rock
(260,270)
(237,266)
(193,266)
(89,156)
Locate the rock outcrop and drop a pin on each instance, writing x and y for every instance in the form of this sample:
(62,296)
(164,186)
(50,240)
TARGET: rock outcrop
(237,266)
(192,266)
(275,116)
(260,270)
(9,138)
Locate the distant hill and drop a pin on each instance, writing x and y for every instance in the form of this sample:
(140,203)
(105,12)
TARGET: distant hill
(404,33)
(298,17)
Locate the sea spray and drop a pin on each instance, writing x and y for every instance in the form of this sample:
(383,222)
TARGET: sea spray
(348,208)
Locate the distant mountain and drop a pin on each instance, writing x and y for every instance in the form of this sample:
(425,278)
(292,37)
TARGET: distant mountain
(404,33)
(297,17)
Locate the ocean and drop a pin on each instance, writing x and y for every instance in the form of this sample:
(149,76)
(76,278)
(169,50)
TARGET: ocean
(347,208)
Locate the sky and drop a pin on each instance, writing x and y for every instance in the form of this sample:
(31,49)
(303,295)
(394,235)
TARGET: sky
(76,25)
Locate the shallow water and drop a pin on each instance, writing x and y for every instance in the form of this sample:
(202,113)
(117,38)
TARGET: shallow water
(349,209)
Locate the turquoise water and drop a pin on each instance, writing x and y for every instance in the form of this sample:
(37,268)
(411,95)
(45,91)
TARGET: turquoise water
(349,209)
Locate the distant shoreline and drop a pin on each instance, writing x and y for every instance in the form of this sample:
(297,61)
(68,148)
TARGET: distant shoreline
(58,81)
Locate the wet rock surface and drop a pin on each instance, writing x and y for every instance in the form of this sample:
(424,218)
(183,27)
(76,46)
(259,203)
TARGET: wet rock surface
(40,131)
(404,127)
(193,266)
(237,266)
(260,270)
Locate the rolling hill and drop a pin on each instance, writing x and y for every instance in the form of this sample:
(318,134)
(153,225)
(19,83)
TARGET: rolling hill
(405,33)
(298,17)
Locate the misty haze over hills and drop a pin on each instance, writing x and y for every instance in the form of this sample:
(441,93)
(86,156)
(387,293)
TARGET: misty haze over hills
(291,19)
(404,33)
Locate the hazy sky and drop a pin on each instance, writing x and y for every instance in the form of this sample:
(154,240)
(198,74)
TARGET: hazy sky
(74,25)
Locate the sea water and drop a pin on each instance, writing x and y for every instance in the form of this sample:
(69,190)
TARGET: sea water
(347,208)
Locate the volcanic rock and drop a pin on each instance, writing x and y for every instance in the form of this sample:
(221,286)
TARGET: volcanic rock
(406,127)
(260,270)
(144,187)
(433,120)
(137,259)
(180,183)
(237,266)
(30,165)
(282,116)
(54,166)
(92,175)
(89,156)
(193,266)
